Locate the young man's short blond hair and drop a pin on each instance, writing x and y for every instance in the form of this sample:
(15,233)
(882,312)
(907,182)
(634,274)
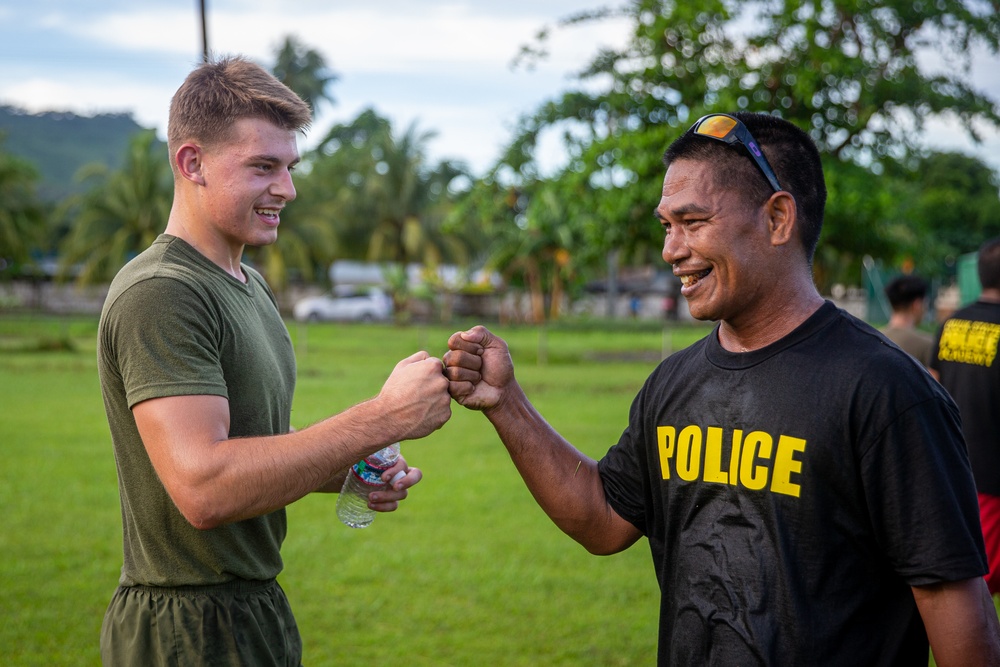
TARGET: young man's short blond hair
(218,93)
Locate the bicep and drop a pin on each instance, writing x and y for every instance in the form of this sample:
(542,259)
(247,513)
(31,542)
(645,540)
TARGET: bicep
(179,434)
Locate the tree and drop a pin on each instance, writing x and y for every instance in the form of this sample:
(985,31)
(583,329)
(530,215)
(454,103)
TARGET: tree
(537,253)
(22,216)
(950,207)
(842,70)
(305,71)
(385,201)
(120,214)
(379,199)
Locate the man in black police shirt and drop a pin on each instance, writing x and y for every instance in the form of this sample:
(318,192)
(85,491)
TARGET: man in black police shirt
(803,486)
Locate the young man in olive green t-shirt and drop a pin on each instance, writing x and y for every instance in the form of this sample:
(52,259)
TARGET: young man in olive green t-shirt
(198,375)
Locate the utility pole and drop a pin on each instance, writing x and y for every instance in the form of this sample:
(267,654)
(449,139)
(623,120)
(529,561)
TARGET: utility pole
(204,33)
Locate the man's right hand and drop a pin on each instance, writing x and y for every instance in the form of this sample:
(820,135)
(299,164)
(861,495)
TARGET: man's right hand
(416,396)
(478,367)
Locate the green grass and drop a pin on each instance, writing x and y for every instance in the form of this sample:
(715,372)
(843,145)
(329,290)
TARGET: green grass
(469,571)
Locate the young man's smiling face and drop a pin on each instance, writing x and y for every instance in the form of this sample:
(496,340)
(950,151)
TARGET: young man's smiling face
(717,243)
(248,181)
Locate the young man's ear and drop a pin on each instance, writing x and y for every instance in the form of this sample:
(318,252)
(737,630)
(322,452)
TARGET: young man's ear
(190,164)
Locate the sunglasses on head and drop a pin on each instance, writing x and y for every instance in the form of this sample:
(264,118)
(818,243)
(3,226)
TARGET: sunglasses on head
(729,130)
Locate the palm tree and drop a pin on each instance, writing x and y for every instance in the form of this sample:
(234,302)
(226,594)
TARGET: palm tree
(384,187)
(383,200)
(412,198)
(22,216)
(535,253)
(304,70)
(120,215)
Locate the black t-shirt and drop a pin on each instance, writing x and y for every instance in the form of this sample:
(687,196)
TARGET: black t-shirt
(965,356)
(792,495)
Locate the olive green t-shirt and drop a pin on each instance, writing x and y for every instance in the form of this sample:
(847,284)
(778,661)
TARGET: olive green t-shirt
(176,324)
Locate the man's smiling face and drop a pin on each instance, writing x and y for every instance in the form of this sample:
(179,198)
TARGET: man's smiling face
(249,181)
(716,242)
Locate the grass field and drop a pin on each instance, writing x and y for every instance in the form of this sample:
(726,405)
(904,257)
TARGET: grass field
(468,572)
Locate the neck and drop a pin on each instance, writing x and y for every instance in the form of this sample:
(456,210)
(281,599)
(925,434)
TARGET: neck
(990,294)
(902,320)
(754,331)
(216,251)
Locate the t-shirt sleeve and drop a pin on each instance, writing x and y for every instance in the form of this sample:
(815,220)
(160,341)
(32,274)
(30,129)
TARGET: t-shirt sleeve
(623,472)
(165,341)
(922,497)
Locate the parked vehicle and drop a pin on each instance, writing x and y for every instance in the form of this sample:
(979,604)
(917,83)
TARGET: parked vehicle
(346,303)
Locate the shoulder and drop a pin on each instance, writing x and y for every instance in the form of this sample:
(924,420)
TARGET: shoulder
(982,311)
(160,282)
(878,351)
(168,257)
(867,342)
(855,365)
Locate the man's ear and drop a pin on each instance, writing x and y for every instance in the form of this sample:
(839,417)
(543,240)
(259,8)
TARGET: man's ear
(190,164)
(783,215)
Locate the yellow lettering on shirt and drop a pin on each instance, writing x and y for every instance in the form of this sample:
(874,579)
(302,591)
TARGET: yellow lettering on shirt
(756,444)
(665,436)
(713,457)
(785,465)
(734,456)
(969,342)
(689,453)
(757,461)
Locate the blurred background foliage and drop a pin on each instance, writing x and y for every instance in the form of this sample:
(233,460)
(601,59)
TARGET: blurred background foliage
(845,71)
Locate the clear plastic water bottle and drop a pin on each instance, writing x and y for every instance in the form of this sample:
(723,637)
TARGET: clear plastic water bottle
(364,477)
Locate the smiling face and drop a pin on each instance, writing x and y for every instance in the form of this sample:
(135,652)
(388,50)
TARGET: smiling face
(247,181)
(720,246)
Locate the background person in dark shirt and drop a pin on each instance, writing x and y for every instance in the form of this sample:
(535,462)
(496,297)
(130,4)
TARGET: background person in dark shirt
(965,361)
(908,298)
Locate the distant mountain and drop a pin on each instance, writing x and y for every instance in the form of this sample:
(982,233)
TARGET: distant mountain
(59,143)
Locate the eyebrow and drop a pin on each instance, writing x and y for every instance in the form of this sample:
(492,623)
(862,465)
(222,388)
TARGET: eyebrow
(273,159)
(681,211)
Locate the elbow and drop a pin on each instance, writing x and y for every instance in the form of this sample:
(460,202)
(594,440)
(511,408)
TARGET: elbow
(602,548)
(602,542)
(204,522)
(202,519)
(605,535)
(198,509)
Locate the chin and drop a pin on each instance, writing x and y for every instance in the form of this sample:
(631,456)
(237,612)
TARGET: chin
(263,239)
(701,314)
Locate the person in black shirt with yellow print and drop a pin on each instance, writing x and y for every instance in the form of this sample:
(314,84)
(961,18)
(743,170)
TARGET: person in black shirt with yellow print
(803,486)
(965,361)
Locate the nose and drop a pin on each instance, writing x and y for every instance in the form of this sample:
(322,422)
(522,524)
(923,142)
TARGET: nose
(283,186)
(674,247)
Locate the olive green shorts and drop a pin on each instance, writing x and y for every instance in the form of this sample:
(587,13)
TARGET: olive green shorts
(241,623)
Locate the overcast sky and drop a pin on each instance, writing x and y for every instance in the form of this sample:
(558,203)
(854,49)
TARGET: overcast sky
(444,64)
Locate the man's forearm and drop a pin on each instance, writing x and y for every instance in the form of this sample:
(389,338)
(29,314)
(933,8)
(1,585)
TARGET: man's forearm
(565,483)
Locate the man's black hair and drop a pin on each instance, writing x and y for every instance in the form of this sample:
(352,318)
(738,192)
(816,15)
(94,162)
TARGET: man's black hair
(989,264)
(904,290)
